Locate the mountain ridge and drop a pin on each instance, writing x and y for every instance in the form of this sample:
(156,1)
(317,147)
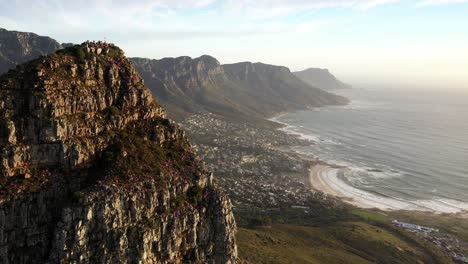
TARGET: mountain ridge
(186,86)
(18,47)
(321,78)
(241,90)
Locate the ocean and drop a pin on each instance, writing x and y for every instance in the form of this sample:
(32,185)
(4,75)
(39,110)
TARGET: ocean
(406,149)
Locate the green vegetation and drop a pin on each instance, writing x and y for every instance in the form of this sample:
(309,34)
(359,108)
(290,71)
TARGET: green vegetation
(350,236)
(113,52)
(347,242)
(30,182)
(195,194)
(76,51)
(135,156)
(113,111)
(77,196)
(369,215)
(39,95)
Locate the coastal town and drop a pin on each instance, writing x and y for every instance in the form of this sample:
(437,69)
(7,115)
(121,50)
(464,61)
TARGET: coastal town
(258,168)
(251,167)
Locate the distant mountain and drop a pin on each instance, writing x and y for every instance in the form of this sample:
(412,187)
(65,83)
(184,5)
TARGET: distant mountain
(185,85)
(242,90)
(270,89)
(321,78)
(19,47)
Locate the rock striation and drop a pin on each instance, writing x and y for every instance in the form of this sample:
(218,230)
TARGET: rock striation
(184,85)
(92,171)
(19,47)
(242,90)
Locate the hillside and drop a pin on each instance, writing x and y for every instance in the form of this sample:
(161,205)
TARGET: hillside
(348,242)
(241,91)
(321,78)
(18,47)
(270,89)
(185,85)
(92,171)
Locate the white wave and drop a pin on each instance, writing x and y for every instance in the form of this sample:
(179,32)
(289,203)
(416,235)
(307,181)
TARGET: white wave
(302,135)
(291,130)
(364,199)
(364,173)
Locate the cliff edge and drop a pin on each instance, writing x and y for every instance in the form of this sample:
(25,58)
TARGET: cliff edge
(92,171)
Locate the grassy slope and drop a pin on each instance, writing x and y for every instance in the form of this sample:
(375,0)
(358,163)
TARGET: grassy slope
(356,241)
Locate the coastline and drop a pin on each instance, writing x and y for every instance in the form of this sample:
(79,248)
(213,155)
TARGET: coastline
(324,177)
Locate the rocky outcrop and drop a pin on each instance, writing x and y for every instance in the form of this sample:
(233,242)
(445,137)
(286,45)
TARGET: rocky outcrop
(321,78)
(92,171)
(19,47)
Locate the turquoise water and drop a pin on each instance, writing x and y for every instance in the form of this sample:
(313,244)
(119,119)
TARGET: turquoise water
(409,145)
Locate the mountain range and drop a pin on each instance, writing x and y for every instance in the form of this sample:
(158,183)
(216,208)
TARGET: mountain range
(242,91)
(255,90)
(18,47)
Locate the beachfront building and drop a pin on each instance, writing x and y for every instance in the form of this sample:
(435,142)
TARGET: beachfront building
(414,227)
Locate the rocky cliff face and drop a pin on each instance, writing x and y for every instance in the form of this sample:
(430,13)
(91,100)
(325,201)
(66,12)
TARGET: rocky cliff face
(18,47)
(181,83)
(93,172)
(321,78)
(239,90)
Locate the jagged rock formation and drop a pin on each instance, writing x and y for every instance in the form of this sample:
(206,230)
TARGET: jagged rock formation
(19,47)
(186,85)
(93,172)
(321,78)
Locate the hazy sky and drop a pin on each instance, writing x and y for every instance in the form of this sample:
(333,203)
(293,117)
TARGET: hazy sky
(361,41)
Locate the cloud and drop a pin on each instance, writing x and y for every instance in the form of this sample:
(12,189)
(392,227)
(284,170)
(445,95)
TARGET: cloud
(87,19)
(264,9)
(440,2)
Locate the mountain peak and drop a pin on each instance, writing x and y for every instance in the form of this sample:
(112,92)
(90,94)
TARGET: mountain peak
(92,171)
(56,99)
(208,59)
(321,78)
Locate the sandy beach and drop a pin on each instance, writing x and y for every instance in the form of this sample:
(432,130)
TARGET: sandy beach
(325,178)
(318,180)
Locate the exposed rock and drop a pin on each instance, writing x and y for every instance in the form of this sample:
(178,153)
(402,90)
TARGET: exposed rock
(18,47)
(241,91)
(93,172)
